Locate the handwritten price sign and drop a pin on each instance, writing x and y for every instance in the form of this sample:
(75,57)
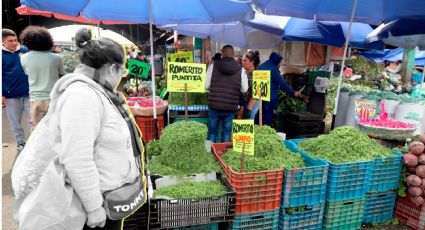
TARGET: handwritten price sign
(261,85)
(243,133)
(138,68)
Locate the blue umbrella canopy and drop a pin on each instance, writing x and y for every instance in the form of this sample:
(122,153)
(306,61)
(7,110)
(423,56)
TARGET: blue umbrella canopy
(137,11)
(407,33)
(367,11)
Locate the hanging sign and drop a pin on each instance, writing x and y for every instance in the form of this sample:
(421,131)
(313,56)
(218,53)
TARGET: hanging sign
(261,84)
(365,110)
(138,68)
(192,74)
(243,132)
(186,57)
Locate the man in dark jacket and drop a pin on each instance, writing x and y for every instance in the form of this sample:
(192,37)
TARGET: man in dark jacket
(15,89)
(276,82)
(225,82)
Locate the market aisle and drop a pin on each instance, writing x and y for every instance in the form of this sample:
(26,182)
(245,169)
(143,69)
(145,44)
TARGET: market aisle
(8,157)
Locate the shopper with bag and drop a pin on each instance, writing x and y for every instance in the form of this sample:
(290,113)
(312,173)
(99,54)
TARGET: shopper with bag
(84,152)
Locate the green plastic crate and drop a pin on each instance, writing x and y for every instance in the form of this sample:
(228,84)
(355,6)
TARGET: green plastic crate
(344,215)
(258,221)
(314,74)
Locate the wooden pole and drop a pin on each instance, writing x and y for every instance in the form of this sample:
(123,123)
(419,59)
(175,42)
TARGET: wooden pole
(186,114)
(261,111)
(242,158)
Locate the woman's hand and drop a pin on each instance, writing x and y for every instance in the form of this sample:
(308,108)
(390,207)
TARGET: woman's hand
(96,218)
(298,94)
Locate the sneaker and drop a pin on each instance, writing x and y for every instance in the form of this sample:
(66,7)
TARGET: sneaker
(20,146)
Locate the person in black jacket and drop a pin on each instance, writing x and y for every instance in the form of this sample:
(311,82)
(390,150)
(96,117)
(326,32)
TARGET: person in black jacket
(225,82)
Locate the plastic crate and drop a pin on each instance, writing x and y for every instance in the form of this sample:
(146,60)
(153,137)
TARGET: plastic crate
(146,126)
(189,108)
(200,227)
(175,213)
(346,181)
(253,221)
(386,173)
(408,213)
(295,129)
(379,207)
(255,191)
(314,74)
(308,117)
(310,219)
(305,186)
(344,215)
(138,220)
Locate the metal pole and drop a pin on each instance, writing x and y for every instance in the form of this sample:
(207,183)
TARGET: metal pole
(347,39)
(153,72)
(420,87)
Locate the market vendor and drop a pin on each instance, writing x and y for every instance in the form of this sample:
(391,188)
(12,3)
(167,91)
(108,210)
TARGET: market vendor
(225,81)
(276,83)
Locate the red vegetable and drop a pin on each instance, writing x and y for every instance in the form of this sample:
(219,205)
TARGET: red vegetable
(411,169)
(415,191)
(420,171)
(413,180)
(410,160)
(422,138)
(417,200)
(387,123)
(417,147)
(422,159)
(423,183)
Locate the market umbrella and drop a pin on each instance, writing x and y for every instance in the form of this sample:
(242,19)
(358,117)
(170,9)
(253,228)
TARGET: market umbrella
(392,55)
(407,33)
(241,34)
(368,11)
(143,11)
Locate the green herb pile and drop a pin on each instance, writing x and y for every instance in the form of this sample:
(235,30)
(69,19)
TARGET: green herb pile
(192,190)
(344,144)
(192,99)
(182,151)
(153,148)
(269,153)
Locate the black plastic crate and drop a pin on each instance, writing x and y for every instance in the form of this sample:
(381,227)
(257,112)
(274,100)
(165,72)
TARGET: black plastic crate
(295,130)
(175,213)
(303,117)
(138,220)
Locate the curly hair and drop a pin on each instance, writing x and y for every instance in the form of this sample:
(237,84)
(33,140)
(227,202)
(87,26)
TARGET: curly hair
(37,38)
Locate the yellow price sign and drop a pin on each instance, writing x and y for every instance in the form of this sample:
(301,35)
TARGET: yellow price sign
(243,133)
(261,85)
(192,74)
(185,57)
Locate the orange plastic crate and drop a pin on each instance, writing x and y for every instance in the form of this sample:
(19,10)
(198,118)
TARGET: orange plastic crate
(146,126)
(408,213)
(255,191)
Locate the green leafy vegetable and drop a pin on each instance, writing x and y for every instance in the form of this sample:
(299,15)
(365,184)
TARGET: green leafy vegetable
(402,187)
(192,190)
(269,153)
(153,148)
(183,151)
(193,99)
(344,144)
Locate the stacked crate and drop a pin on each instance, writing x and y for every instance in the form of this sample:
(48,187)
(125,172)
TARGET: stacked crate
(258,194)
(303,195)
(359,192)
(302,125)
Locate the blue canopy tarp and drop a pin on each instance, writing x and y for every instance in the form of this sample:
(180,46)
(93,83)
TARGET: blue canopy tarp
(393,55)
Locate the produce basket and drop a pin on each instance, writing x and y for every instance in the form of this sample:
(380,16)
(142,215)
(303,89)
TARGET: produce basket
(386,173)
(261,221)
(147,127)
(346,180)
(379,207)
(138,220)
(347,214)
(400,134)
(146,111)
(255,191)
(408,213)
(305,186)
(310,218)
(166,213)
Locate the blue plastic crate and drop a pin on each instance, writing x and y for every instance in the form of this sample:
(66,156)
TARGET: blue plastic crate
(346,180)
(344,215)
(189,108)
(305,186)
(197,119)
(200,227)
(310,219)
(261,221)
(386,173)
(379,207)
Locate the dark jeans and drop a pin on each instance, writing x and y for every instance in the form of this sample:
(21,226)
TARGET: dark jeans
(110,225)
(215,116)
